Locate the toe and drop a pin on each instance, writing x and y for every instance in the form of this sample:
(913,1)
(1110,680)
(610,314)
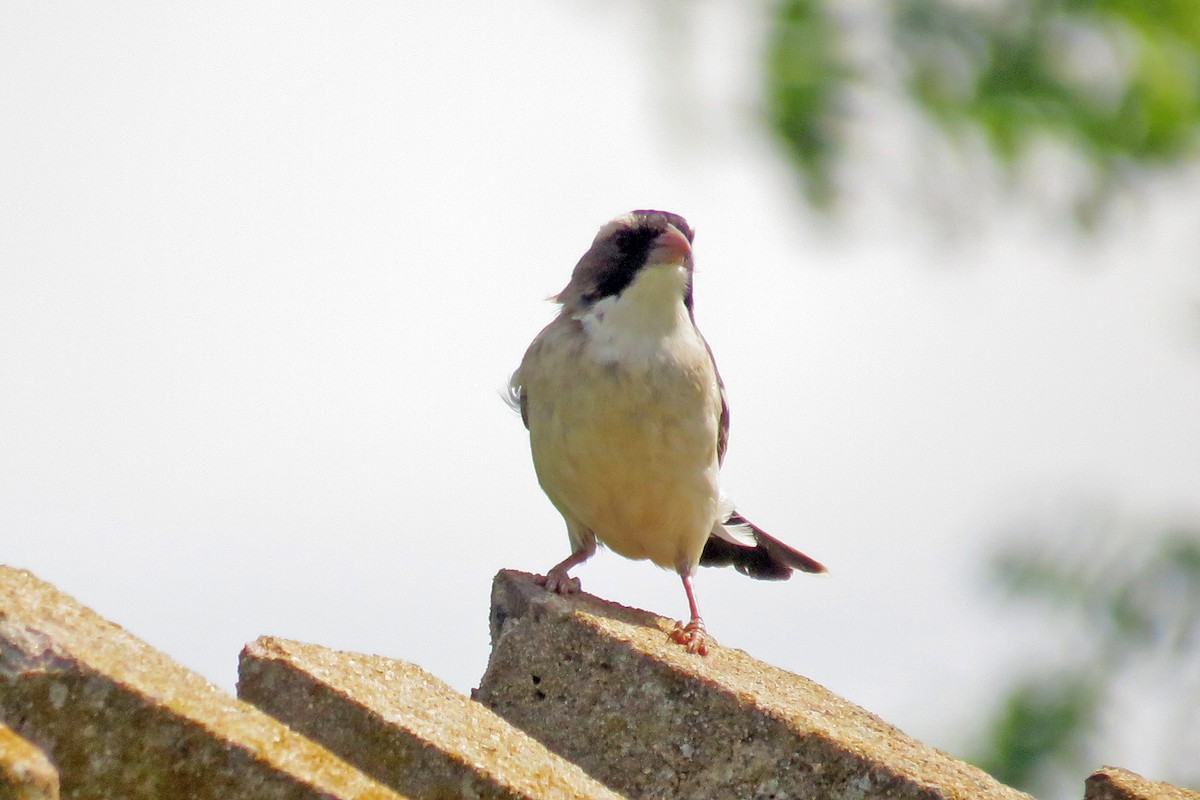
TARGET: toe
(558,582)
(692,636)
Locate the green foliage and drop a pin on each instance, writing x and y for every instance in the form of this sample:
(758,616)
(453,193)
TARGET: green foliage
(1118,80)
(806,76)
(1129,601)
(1115,81)
(1131,606)
(1044,721)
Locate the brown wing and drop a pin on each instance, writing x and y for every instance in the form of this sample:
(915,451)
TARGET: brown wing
(723,418)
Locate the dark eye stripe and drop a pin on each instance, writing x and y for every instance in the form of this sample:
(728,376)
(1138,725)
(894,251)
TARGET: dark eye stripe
(615,260)
(624,255)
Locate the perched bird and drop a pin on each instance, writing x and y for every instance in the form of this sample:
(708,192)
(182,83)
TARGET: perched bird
(628,422)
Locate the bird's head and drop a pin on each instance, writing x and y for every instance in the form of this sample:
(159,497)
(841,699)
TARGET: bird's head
(623,250)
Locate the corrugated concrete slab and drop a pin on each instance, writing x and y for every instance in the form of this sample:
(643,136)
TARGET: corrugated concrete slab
(121,720)
(602,685)
(403,726)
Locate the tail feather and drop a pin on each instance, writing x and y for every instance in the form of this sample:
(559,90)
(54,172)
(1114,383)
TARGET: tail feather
(769,559)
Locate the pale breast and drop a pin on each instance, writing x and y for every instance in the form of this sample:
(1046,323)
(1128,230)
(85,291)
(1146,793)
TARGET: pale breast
(628,447)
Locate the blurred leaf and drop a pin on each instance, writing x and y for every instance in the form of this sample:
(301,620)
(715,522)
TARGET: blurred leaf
(1134,594)
(1140,596)
(806,76)
(1025,572)
(1042,720)
(1181,550)
(1117,82)
(1176,580)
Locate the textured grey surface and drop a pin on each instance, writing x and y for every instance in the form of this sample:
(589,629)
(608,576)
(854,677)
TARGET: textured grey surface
(602,685)
(25,772)
(403,726)
(121,720)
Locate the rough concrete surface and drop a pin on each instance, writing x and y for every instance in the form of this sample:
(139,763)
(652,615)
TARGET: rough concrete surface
(602,685)
(1114,783)
(403,726)
(121,720)
(25,772)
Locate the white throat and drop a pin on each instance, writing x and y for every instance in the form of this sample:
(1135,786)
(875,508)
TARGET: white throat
(647,320)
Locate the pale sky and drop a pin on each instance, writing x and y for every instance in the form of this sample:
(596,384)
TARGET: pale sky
(265,268)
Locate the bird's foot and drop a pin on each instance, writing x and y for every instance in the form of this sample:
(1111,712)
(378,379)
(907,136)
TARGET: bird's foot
(693,636)
(558,581)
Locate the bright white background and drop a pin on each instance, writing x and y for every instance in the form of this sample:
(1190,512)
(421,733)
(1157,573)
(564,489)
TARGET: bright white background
(264,269)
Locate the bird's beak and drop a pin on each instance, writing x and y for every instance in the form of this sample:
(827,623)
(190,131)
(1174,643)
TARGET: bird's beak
(671,247)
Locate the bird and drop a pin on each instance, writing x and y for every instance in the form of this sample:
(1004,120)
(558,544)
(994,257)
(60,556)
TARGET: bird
(628,419)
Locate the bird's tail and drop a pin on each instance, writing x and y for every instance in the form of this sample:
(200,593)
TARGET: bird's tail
(750,550)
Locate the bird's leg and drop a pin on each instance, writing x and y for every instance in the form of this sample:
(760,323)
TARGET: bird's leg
(557,580)
(694,636)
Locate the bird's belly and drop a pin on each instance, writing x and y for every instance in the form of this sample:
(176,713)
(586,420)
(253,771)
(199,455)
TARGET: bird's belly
(633,459)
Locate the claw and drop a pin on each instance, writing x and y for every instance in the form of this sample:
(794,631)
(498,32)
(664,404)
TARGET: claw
(693,636)
(556,578)
(558,581)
